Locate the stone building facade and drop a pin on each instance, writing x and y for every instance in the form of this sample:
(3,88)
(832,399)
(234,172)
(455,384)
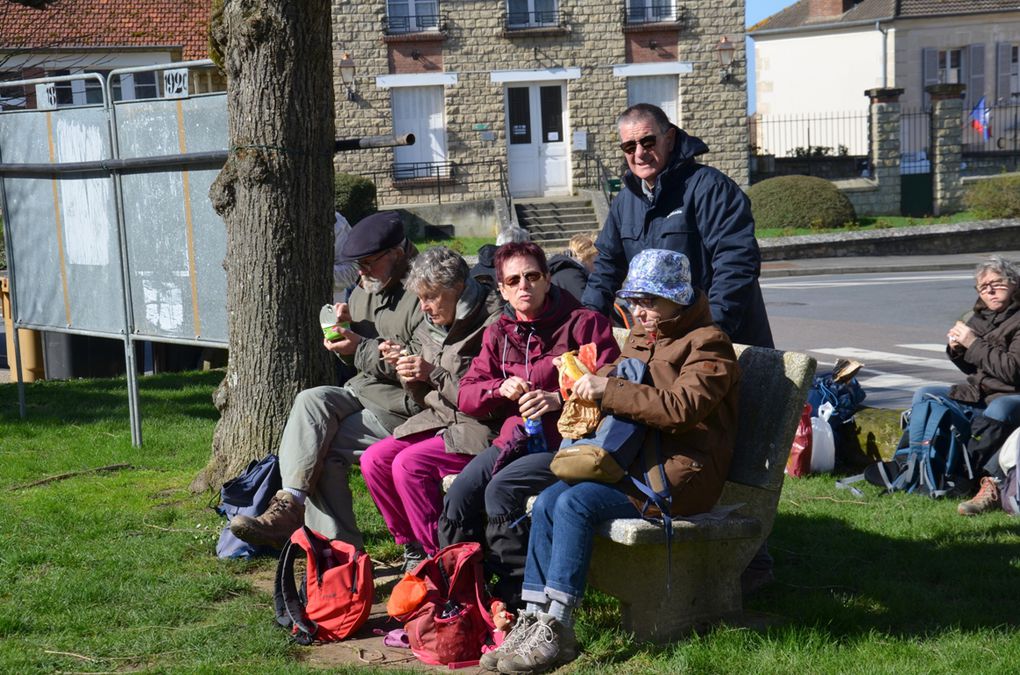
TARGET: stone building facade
(529,90)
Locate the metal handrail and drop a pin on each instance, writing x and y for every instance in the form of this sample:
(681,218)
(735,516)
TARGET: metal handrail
(419,23)
(537,19)
(654,12)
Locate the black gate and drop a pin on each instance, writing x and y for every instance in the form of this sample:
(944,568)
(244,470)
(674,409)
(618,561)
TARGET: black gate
(917,193)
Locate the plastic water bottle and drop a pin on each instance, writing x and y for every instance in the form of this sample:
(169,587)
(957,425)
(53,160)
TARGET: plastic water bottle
(536,436)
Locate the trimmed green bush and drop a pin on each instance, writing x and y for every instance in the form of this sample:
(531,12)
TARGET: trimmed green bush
(800,201)
(997,197)
(354,196)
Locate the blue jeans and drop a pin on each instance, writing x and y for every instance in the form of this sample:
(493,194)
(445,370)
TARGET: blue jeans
(1005,409)
(563,523)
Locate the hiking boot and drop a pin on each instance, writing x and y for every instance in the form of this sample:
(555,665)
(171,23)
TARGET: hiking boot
(413,555)
(986,499)
(274,527)
(547,645)
(514,639)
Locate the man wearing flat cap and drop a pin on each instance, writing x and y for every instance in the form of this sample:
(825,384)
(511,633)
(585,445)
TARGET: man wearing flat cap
(329,427)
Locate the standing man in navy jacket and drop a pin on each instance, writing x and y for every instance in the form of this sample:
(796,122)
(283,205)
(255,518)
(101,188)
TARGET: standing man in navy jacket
(672,202)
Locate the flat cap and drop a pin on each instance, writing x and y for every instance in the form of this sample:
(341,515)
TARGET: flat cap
(372,234)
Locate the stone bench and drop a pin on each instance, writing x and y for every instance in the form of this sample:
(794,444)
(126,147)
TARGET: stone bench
(708,554)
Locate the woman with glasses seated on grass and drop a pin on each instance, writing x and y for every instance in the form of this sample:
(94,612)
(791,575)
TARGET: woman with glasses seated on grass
(986,347)
(513,377)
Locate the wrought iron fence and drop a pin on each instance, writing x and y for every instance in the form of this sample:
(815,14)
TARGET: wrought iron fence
(915,141)
(829,145)
(991,141)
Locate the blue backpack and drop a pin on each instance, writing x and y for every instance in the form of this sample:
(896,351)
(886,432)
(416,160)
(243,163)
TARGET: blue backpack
(247,495)
(935,461)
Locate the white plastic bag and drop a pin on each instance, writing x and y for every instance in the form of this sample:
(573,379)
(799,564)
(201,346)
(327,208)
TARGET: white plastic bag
(823,443)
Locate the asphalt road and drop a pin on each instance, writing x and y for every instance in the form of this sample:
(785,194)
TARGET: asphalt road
(894,323)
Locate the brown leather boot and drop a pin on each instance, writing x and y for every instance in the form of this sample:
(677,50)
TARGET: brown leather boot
(986,499)
(274,527)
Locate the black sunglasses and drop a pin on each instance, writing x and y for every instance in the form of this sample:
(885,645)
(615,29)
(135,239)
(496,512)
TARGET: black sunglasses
(512,281)
(647,142)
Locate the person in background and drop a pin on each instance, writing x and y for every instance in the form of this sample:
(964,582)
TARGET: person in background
(686,404)
(404,472)
(570,269)
(484,272)
(512,378)
(986,348)
(328,427)
(345,272)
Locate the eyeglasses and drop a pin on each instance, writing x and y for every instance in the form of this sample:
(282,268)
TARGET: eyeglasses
(647,142)
(365,264)
(646,302)
(512,281)
(993,286)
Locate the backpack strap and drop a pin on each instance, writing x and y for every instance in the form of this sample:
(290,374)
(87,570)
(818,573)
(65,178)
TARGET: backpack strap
(655,488)
(290,611)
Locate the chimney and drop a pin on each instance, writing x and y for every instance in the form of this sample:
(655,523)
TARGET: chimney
(828,9)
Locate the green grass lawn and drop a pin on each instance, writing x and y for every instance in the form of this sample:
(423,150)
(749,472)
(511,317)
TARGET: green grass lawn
(115,571)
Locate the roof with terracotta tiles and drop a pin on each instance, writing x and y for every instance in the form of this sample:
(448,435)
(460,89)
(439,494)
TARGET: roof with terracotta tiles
(90,24)
(797,15)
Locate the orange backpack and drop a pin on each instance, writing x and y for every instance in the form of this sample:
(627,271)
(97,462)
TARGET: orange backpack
(336,594)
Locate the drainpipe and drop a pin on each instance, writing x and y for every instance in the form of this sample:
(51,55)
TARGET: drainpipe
(885,53)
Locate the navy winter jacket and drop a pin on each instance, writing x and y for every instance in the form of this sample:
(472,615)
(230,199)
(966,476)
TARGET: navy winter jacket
(700,212)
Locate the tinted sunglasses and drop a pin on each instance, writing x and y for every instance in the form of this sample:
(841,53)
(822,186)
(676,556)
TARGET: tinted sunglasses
(512,281)
(647,142)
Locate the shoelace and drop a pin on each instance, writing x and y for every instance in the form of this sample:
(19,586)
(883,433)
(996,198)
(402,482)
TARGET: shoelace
(540,632)
(518,635)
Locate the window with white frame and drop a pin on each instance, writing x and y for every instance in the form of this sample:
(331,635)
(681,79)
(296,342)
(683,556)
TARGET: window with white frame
(420,111)
(650,11)
(950,66)
(528,13)
(659,90)
(412,16)
(88,91)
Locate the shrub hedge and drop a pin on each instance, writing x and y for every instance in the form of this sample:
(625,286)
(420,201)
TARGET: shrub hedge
(354,196)
(799,201)
(997,197)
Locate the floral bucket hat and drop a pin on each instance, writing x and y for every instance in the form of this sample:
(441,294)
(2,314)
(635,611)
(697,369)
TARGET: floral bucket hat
(654,271)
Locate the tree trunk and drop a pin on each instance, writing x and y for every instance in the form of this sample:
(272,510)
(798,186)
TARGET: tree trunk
(275,197)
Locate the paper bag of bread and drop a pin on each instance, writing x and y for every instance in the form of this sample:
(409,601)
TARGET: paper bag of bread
(579,417)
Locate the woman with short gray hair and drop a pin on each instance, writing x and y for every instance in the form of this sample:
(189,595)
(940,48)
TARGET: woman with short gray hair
(404,471)
(987,349)
(435,268)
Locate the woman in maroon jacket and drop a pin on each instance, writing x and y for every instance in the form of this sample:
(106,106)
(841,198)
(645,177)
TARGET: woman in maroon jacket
(511,378)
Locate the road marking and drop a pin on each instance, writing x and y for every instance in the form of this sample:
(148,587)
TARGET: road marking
(894,381)
(793,284)
(867,356)
(931,347)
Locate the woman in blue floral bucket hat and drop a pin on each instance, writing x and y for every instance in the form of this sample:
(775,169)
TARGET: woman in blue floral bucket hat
(675,385)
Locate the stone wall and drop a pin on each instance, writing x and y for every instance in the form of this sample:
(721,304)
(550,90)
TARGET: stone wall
(474,43)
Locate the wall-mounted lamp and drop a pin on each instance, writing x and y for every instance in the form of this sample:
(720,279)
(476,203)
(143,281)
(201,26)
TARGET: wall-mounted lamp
(725,49)
(346,67)
(416,55)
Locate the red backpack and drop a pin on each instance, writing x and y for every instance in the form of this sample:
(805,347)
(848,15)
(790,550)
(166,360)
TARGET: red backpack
(444,607)
(336,594)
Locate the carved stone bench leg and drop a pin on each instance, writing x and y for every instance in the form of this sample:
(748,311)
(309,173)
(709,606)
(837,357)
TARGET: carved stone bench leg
(704,584)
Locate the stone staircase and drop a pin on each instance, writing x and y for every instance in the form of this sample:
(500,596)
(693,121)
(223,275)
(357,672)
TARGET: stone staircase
(552,222)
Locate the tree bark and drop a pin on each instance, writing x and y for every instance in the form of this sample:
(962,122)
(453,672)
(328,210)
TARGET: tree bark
(275,197)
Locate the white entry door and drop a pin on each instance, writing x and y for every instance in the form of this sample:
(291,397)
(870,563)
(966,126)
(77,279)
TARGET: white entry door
(537,150)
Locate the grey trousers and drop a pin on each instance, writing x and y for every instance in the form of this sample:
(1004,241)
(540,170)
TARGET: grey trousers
(326,432)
